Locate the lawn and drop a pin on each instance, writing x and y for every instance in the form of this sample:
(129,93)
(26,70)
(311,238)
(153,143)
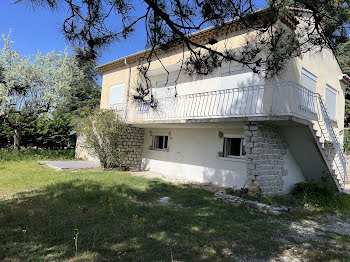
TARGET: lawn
(96,215)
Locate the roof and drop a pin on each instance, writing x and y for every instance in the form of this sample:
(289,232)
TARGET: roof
(199,36)
(345,79)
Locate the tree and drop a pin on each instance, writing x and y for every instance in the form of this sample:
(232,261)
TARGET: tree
(32,85)
(343,55)
(85,96)
(103,131)
(5,134)
(94,24)
(51,130)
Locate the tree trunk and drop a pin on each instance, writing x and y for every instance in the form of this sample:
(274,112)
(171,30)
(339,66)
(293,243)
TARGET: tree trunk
(17,138)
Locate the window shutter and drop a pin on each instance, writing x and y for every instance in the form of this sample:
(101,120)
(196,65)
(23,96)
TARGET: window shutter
(116,94)
(331,101)
(308,80)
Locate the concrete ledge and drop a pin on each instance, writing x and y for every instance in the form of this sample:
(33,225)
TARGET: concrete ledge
(253,205)
(72,164)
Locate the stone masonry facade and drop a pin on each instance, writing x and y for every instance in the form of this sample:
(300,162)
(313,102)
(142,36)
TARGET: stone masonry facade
(133,143)
(265,151)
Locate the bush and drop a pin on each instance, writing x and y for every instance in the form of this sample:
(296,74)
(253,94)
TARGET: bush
(102,132)
(314,196)
(35,154)
(322,197)
(347,141)
(313,193)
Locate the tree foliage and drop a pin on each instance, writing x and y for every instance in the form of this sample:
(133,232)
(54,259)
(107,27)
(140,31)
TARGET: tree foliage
(49,131)
(32,85)
(343,55)
(102,132)
(85,95)
(94,24)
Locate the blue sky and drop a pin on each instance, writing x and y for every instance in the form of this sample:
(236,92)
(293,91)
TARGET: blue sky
(39,29)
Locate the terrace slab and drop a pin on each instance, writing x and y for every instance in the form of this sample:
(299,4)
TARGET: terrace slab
(72,164)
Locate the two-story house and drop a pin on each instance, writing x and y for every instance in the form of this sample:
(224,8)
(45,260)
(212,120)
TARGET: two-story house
(234,127)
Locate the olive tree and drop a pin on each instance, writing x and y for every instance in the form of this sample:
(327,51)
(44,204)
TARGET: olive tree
(103,133)
(33,84)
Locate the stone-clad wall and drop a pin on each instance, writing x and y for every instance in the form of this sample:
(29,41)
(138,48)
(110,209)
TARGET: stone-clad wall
(131,142)
(265,152)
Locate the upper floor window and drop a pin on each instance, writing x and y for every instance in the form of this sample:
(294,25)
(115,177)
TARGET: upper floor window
(309,81)
(116,96)
(233,146)
(331,101)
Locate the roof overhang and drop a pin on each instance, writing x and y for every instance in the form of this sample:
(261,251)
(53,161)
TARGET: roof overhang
(201,36)
(344,78)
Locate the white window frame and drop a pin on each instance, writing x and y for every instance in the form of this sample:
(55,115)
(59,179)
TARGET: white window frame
(154,142)
(240,149)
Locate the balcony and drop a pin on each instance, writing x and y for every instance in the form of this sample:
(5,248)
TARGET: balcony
(278,101)
(286,99)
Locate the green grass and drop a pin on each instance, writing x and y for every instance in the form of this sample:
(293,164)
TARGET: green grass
(42,210)
(35,154)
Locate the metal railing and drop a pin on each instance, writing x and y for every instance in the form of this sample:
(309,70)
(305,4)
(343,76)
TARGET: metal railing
(287,98)
(277,99)
(328,134)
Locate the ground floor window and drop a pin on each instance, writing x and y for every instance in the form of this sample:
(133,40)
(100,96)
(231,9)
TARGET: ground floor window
(233,146)
(160,142)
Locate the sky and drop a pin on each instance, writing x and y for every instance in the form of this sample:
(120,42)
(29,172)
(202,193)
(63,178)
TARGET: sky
(40,29)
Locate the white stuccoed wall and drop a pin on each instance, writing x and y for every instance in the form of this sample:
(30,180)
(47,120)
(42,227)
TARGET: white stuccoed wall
(193,157)
(294,174)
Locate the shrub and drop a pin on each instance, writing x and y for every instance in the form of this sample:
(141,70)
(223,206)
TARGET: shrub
(315,193)
(315,196)
(35,154)
(103,131)
(321,196)
(347,141)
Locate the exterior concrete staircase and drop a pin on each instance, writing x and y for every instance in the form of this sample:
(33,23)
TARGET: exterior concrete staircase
(329,146)
(330,157)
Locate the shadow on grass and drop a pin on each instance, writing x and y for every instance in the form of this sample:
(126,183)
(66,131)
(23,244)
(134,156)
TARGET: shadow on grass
(41,225)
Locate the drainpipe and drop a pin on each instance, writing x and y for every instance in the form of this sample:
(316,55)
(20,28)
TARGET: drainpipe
(128,90)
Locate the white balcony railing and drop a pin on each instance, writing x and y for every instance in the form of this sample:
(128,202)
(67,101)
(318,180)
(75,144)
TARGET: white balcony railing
(278,99)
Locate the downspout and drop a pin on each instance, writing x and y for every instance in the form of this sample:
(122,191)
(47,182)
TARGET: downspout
(128,91)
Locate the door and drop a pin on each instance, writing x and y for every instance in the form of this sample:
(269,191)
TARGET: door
(165,92)
(241,92)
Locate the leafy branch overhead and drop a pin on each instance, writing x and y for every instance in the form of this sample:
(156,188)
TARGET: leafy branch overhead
(284,30)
